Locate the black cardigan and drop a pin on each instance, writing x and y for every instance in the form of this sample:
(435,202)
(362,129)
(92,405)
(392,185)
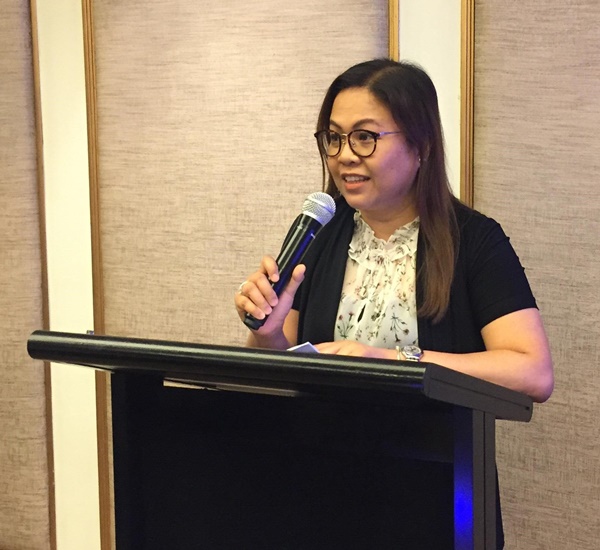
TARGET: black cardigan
(489,282)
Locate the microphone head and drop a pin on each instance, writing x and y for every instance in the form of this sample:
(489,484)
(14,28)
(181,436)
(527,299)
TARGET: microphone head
(319,206)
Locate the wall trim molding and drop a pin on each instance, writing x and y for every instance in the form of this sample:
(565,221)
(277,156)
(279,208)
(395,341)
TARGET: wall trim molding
(103,402)
(394,29)
(467,101)
(41,194)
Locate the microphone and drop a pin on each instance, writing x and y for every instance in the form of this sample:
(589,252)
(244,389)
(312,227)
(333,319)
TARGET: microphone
(317,211)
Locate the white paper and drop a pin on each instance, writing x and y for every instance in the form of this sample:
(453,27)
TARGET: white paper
(307,347)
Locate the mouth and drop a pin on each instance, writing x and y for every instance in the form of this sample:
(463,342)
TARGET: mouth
(353,180)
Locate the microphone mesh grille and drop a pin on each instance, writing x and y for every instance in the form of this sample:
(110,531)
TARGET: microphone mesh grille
(319,206)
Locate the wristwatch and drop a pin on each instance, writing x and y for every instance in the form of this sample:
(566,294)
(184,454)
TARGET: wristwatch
(410,353)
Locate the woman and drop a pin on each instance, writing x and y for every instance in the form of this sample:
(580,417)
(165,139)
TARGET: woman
(403,270)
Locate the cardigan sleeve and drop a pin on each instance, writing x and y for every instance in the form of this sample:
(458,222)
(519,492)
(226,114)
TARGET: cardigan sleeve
(489,282)
(495,279)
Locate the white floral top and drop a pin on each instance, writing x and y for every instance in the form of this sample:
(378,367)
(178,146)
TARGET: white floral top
(378,305)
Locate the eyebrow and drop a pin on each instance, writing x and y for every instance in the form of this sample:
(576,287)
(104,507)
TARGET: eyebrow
(357,124)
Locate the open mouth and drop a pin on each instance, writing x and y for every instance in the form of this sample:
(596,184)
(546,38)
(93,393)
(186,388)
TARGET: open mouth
(354,181)
(350,180)
(354,184)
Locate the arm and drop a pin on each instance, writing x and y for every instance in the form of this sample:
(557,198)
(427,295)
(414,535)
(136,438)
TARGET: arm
(517,355)
(491,282)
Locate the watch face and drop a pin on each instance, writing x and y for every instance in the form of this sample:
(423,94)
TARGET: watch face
(412,352)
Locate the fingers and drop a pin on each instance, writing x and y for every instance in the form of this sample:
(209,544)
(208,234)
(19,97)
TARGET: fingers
(330,347)
(268,266)
(256,296)
(294,282)
(351,348)
(346,347)
(286,298)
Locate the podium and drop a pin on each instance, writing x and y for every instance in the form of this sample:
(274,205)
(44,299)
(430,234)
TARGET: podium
(222,447)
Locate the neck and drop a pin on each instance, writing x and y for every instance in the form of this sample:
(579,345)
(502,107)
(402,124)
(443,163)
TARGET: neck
(384,225)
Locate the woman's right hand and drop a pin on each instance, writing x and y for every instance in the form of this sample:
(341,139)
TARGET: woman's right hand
(257,297)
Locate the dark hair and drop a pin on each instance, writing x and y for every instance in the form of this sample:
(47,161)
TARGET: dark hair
(408,92)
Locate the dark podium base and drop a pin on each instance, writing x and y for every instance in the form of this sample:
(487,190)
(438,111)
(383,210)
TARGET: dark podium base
(347,453)
(221,470)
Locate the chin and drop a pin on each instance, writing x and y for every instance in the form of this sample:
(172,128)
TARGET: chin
(356,199)
(353,202)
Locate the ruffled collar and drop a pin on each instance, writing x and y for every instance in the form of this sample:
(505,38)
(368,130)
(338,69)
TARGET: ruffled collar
(365,246)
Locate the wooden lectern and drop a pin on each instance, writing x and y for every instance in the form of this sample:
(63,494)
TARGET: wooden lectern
(233,448)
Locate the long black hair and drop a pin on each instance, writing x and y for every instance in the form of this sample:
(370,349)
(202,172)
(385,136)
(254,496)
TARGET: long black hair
(409,94)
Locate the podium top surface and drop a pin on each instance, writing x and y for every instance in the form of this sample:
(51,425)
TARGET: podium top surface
(307,373)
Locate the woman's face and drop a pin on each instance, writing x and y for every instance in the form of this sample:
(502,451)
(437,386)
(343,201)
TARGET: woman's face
(380,186)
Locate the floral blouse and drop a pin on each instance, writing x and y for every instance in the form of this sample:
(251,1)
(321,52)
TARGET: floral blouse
(378,305)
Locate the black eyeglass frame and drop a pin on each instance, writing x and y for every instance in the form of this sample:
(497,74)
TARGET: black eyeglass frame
(347,138)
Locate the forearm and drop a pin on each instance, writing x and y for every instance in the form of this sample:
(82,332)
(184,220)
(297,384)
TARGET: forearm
(267,341)
(527,373)
(523,372)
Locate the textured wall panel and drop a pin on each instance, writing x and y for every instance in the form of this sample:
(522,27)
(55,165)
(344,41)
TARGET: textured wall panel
(206,115)
(537,160)
(24,518)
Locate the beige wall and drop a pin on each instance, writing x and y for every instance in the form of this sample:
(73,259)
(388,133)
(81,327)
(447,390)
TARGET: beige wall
(537,114)
(170,268)
(206,150)
(24,488)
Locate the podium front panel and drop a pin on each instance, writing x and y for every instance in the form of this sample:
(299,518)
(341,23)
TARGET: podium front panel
(215,469)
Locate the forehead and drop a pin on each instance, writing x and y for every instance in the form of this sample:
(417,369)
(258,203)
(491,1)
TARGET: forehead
(356,105)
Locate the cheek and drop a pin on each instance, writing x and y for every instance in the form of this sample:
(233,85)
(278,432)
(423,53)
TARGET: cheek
(402,169)
(333,170)
(333,173)
(391,170)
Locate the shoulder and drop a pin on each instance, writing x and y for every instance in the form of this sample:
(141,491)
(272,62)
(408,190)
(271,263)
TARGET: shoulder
(489,267)
(476,230)
(470,220)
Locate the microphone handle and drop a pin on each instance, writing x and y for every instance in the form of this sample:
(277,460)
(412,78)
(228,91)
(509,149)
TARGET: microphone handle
(295,245)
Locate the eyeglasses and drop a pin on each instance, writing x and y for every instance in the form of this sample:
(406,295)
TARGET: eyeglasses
(362,142)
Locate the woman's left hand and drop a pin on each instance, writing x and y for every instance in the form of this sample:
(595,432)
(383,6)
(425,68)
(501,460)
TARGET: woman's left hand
(356,349)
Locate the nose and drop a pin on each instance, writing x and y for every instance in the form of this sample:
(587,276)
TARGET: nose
(346,153)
